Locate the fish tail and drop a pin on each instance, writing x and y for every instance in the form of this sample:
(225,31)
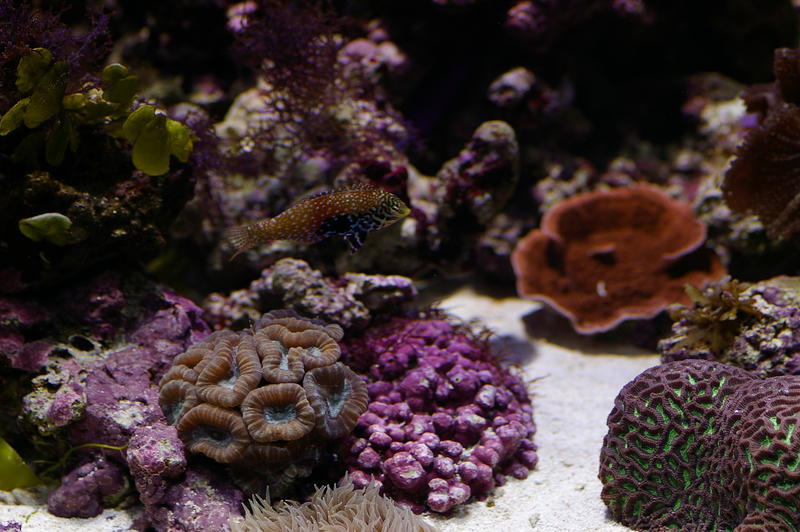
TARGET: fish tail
(243,237)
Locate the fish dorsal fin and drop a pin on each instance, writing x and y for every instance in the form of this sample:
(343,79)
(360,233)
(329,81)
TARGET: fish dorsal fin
(341,188)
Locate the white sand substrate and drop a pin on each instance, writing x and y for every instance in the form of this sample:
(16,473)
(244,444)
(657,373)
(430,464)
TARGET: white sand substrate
(573,390)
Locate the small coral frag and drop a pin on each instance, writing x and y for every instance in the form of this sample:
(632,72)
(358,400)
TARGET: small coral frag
(699,445)
(603,257)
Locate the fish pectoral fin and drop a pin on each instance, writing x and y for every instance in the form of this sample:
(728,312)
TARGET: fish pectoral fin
(355,240)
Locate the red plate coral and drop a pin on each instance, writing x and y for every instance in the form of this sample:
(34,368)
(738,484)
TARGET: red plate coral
(603,257)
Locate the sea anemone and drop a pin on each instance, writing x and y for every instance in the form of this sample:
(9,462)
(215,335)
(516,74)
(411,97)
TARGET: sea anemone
(332,509)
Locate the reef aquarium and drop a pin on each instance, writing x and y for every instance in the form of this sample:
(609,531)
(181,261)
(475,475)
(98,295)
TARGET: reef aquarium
(399,266)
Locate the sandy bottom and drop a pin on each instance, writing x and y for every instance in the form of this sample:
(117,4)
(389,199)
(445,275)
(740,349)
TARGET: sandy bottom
(573,390)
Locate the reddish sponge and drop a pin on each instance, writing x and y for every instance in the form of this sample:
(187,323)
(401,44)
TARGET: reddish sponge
(699,445)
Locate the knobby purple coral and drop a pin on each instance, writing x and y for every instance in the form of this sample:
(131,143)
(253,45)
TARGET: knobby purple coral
(445,423)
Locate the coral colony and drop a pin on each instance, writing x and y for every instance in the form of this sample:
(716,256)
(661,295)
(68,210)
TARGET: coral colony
(222,225)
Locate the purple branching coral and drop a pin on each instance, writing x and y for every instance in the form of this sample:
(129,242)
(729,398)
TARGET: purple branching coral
(699,445)
(755,327)
(445,423)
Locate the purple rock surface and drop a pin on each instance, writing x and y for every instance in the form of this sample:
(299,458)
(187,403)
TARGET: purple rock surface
(82,492)
(103,390)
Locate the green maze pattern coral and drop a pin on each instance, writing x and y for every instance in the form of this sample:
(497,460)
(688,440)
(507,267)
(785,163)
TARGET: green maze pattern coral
(699,445)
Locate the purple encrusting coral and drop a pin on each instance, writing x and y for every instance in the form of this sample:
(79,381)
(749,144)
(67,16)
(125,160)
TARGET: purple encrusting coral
(445,422)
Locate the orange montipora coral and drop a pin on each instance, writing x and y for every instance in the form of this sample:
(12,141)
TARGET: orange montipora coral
(602,257)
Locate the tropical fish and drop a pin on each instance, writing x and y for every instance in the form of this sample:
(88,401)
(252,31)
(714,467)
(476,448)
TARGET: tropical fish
(351,212)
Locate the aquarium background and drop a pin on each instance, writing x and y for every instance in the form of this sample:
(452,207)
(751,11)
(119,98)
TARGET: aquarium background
(478,263)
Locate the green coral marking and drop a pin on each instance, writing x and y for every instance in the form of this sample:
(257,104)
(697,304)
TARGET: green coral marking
(629,486)
(637,509)
(786,484)
(642,463)
(638,476)
(652,434)
(636,411)
(709,427)
(793,466)
(674,405)
(691,379)
(775,424)
(672,481)
(715,390)
(789,432)
(677,505)
(660,410)
(699,469)
(767,441)
(649,449)
(673,433)
(687,480)
(749,459)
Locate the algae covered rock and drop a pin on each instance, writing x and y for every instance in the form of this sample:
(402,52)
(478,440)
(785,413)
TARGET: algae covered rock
(752,326)
(699,445)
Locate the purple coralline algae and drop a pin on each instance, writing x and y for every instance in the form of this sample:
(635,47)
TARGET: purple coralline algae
(174,496)
(88,488)
(445,422)
(17,317)
(755,327)
(102,391)
(349,301)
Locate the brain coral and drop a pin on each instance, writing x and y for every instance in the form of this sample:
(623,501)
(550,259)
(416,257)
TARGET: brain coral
(266,399)
(445,423)
(603,257)
(699,445)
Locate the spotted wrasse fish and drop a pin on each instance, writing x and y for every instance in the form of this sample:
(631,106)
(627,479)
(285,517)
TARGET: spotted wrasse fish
(351,212)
